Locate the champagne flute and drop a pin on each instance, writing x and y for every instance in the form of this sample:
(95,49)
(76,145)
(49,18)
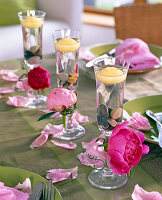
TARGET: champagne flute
(110,76)
(67,44)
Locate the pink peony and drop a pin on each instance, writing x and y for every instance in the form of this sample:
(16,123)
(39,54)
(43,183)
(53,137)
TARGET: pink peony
(60,99)
(125,148)
(39,78)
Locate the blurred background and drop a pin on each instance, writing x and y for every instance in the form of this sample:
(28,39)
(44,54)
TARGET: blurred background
(94,18)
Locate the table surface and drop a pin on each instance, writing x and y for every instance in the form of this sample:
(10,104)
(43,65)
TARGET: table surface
(19,128)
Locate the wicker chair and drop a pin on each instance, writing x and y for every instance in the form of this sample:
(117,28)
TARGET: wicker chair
(143,21)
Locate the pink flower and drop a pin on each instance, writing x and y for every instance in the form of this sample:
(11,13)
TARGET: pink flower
(125,148)
(60,99)
(39,78)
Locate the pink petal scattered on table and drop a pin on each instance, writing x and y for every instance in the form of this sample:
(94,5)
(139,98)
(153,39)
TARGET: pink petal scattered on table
(74,121)
(24,86)
(41,140)
(140,194)
(54,130)
(1,184)
(9,193)
(6,90)
(20,86)
(69,145)
(80,118)
(18,101)
(7,71)
(19,195)
(25,186)
(1,96)
(11,76)
(6,194)
(97,151)
(139,122)
(87,145)
(83,157)
(57,175)
(49,129)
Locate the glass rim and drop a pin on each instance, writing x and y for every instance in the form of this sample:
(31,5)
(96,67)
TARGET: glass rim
(65,29)
(124,68)
(97,60)
(20,14)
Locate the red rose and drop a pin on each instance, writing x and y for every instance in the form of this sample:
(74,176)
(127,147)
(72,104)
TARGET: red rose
(39,78)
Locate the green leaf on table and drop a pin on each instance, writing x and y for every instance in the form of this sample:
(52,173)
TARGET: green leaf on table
(47,115)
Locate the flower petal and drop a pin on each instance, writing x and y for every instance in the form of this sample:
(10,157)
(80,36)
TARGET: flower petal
(118,141)
(145,149)
(11,76)
(6,194)
(139,122)
(6,90)
(54,130)
(25,186)
(97,152)
(7,71)
(120,126)
(57,175)
(18,101)
(69,145)
(118,169)
(83,157)
(140,194)
(42,139)
(80,118)
(86,145)
(117,158)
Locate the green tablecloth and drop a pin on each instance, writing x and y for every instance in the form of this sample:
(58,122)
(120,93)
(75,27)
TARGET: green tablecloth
(19,128)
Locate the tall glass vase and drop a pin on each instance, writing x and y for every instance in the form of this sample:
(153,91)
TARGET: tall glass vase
(110,76)
(32,29)
(67,44)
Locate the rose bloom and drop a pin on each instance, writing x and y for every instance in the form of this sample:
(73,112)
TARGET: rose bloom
(39,78)
(60,99)
(125,148)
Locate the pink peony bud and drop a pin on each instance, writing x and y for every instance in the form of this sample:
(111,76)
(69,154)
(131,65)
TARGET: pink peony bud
(60,99)
(39,78)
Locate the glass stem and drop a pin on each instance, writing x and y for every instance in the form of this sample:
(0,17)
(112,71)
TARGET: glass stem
(69,125)
(64,121)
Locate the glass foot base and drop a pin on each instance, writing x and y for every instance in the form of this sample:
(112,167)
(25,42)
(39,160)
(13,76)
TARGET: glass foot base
(37,102)
(73,134)
(106,179)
